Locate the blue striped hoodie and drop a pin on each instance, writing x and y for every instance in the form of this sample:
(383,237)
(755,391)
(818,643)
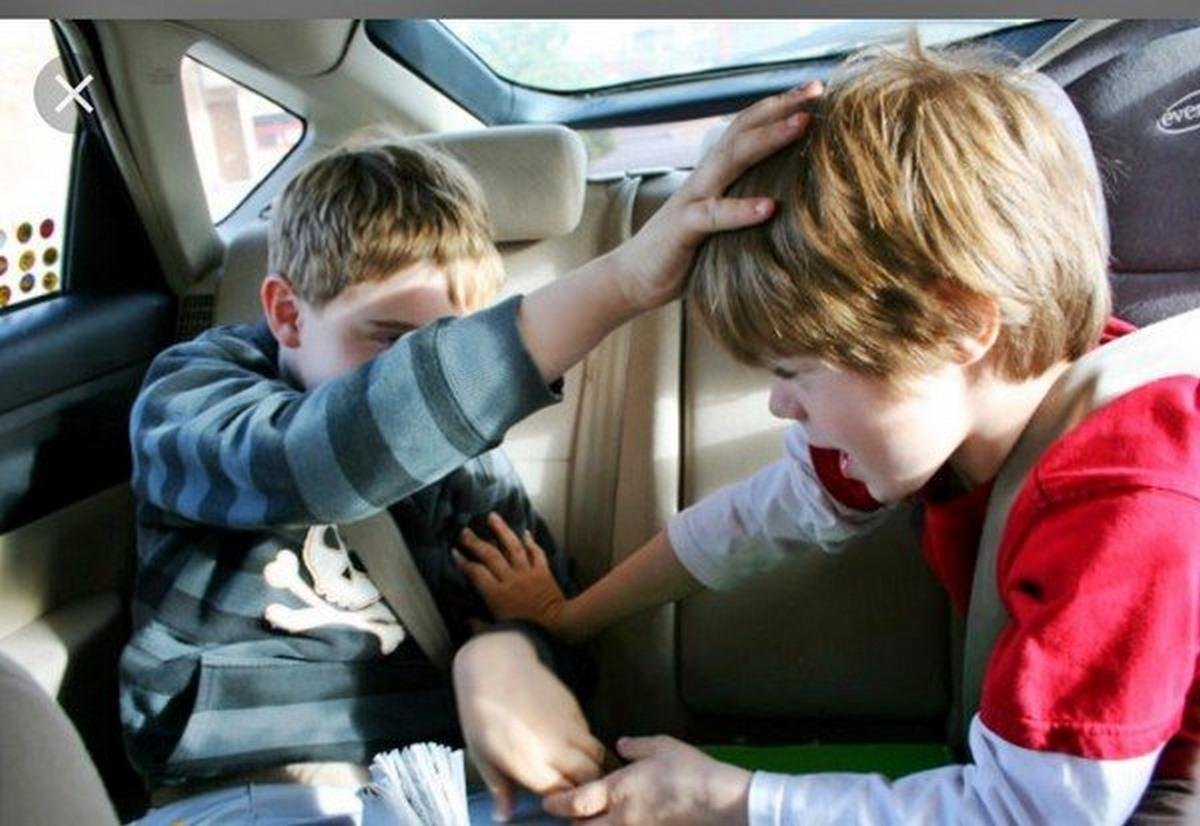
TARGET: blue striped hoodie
(235,661)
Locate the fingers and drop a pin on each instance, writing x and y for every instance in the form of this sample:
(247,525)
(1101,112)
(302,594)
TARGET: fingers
(577,766)
(537,556)
(586,801)
(776,107)
(752,136)
(514,549)
(593,748)
(484,552)
(481,579)
(720,214)
(639,748)
(501,789)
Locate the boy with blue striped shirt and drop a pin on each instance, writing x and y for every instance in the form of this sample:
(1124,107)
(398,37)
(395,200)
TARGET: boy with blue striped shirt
(262,651)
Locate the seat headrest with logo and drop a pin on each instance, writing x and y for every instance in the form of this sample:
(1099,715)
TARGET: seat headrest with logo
(1142,110)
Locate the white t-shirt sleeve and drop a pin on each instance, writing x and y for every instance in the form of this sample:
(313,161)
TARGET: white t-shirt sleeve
(1006,784)
(752,525)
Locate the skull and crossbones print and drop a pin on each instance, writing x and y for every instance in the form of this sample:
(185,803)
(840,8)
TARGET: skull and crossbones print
(341,593)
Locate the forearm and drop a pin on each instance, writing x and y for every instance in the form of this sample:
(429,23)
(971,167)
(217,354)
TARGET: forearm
(220,438)
(565,319)
(1006,784)
(649,577)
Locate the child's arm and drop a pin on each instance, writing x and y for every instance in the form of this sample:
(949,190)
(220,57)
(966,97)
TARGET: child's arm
(1005,785)
(738,531)
(520,723)
(515,583)
(565,319)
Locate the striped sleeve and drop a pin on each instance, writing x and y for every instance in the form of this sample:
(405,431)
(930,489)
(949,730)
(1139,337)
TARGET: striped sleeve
(220,438)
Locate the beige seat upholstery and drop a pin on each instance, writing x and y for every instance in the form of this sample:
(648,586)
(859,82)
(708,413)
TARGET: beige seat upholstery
(45,773)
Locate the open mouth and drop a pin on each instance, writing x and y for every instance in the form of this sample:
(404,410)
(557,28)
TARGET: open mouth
(844,464)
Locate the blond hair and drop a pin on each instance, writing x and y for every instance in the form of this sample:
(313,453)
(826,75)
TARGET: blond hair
(361,214)
(928,189)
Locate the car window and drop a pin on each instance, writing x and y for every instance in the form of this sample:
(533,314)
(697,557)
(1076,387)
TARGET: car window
(575,55)
(238,135)
(35,160)
(624,148)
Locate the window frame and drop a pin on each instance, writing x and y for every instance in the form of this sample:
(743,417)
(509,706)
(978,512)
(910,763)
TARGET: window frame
(266,176)
(431,51)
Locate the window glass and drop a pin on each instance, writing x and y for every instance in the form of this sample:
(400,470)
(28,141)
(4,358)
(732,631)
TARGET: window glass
(625,148)
(573,55)
(35,164)
(238,136)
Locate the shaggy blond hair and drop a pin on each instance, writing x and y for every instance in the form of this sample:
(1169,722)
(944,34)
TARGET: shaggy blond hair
(928,189)
(361,214)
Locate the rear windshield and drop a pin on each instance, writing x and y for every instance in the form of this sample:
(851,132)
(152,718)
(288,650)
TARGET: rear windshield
(578,55)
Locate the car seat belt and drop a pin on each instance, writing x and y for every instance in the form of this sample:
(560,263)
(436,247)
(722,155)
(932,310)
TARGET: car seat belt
(1167,348)
(389,562)
(597,435)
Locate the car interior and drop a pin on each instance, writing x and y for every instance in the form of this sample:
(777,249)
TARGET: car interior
(857,656)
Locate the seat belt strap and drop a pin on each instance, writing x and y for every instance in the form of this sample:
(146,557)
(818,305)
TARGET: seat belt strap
(389,562)
(1167,348)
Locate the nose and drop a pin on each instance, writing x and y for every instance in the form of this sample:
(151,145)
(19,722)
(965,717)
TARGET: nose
(785,402)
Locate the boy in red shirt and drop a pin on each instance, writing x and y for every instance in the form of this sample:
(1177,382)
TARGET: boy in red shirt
(937,261)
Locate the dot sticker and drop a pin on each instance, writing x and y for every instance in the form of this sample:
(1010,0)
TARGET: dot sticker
(46,229)
(3,265)
(24,233)
(50,282)
(5,295)
(28,259)
(27,282)
(49,256)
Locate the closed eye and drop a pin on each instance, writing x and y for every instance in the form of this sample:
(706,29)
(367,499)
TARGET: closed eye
(390,334)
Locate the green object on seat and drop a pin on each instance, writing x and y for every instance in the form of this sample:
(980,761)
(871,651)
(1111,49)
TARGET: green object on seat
(890,759)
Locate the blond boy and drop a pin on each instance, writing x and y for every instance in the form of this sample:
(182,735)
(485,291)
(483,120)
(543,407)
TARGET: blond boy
(262,652)
(937,260)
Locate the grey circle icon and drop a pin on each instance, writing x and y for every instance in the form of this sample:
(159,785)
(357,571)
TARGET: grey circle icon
(58,100)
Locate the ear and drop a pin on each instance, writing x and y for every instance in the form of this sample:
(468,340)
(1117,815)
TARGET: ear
(972,347)
(281,306)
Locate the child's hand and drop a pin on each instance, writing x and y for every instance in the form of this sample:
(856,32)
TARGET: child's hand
(657,258)
(516,583)
(668,782)
(520,723)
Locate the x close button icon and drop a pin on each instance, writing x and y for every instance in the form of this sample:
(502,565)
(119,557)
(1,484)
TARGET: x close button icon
(73,94)
(58,102)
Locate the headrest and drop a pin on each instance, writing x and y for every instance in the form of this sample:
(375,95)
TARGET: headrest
(1143,111)
(533,177)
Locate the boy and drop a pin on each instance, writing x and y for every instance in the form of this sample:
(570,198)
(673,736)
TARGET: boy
(262,652)
(938,260)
